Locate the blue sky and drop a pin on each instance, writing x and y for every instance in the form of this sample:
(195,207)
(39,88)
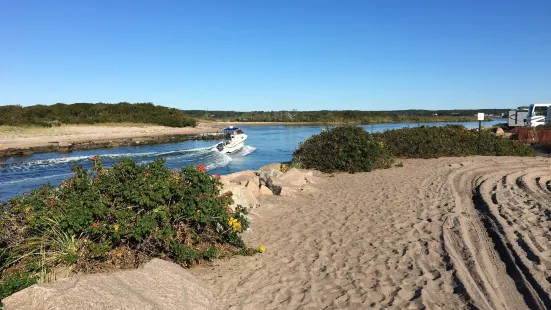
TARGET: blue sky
(273,55)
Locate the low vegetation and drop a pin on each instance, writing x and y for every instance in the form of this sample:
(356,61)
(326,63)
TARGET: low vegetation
(88,113)
(448,141)
(350,116)
(352,149)
(121,217)
(347,148)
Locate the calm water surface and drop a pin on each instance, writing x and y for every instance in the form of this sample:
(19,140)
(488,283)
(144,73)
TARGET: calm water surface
(266,144)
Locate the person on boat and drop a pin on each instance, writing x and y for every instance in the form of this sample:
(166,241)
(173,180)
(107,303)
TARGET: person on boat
(228,136)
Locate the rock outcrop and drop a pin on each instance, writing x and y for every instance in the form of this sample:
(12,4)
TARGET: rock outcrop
(248,186)
(158,285)
(245,186)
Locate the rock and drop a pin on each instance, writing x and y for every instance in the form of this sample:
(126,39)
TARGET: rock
(294,177)
(264,190)
(242,196)
(242,177)
(270,167)
(499,132)
(247,178)
(268,174)
(158,285)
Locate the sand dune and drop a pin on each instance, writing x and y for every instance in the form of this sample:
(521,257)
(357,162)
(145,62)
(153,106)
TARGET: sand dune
(443,233)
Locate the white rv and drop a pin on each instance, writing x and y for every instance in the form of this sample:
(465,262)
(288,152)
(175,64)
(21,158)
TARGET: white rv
(537,114)
(548,117)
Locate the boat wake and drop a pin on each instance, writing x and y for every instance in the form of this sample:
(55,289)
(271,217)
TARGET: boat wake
(22,174)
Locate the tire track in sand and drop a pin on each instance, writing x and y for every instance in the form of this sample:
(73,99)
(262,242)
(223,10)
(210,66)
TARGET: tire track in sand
(498,233)
(449,233)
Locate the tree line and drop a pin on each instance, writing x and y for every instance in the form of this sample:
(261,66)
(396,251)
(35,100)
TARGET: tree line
(148,113)
(362,117)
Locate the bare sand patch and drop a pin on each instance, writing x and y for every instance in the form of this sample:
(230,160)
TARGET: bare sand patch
(446,233)
(27,137)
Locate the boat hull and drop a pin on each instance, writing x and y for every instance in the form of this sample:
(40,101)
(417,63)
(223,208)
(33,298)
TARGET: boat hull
(232,146)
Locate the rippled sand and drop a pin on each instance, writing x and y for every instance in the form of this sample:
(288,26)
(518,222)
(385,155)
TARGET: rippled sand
(442,233)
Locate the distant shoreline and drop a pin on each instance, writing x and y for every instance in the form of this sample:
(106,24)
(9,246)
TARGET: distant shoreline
(227,123)
(25,141)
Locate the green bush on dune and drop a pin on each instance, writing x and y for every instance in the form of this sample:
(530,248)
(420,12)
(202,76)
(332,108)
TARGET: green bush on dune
(448,141)
(120,216)
(352,149)
(347,148)
(89,113)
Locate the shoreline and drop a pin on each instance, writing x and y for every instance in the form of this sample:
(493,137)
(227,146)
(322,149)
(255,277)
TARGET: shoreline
(227,123)
(28,141)
(25,141)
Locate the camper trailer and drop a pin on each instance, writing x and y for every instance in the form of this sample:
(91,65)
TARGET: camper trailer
(517,118)
(537,114)
(548,117)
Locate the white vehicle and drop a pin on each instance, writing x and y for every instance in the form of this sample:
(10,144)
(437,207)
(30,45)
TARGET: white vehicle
(537,114)
(548,117)
(233,142)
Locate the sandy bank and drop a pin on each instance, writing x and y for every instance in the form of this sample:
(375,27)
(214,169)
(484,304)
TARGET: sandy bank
(23,141)
(441,233)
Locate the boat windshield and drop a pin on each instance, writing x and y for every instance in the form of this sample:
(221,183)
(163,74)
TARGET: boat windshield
(232,131)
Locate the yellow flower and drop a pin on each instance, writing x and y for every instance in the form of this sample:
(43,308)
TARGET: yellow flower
(28,209)
(381,144)
(262,249)
(234,224)
(116,227)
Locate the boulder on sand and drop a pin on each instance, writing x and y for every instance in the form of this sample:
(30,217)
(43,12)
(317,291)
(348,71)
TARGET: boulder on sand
(158,285)
(246,178)
(293,177)
(264,190)
(268,174)
(242,196)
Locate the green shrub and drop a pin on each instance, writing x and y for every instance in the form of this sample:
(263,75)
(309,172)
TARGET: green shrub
(348,148)
(14,282)
(453,140)
(100,216)
(211,254)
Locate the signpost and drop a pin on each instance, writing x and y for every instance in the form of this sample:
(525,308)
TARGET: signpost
(480,119)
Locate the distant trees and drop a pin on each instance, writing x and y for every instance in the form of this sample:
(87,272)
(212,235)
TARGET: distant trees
(347,116)
(90,113)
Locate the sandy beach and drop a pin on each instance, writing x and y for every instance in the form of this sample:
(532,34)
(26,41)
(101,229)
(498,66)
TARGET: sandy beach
(449,233)
(22,137)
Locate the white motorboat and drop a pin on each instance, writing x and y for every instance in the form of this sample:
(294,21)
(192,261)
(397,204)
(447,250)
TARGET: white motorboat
(233,142)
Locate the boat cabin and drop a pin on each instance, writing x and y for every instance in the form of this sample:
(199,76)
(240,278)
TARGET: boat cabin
(231,131)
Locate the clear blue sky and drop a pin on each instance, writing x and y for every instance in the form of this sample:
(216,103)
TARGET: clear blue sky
(272,55)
